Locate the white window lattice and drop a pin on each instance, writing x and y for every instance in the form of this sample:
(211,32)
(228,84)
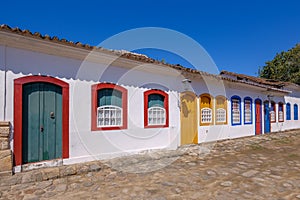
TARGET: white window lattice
(109,116)
(248,111)
(206,115)
(236,115)
(221,115)
(280,116)
(272,113)
(156,116)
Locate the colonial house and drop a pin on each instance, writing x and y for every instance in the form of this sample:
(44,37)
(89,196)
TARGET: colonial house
(66,102)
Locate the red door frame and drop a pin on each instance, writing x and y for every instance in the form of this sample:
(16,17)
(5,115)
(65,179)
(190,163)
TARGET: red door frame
(258,115)
(18,109)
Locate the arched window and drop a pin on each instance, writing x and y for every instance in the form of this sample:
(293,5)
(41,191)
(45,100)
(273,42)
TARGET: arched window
(288,111)
(156,109)
(109,107)
(235,110)
(221,110)
(280,112)
(273,112)
(247,110)
(206,110)
(295,112)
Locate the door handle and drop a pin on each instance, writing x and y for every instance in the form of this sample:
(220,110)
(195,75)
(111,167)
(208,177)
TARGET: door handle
(42,128)
(52,116)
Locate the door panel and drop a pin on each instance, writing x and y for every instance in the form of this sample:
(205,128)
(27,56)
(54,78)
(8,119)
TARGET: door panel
(42,122)
(267,124)
(188,118)
(258,118)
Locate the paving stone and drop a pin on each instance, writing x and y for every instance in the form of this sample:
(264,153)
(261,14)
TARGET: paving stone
(31,197)
(44,184)
(226,184)
(88,184)
(61,188)
(211,173)
(50,173)
(95,167)
(250,173)
(39,192)
(67,171)
(287,185)
(176,190)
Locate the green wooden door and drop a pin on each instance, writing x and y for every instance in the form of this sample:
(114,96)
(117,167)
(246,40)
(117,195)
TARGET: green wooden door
(42,122)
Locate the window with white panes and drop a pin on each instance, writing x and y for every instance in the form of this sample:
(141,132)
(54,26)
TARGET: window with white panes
(280,112)
(109,111)
(236,111)
(156,112)
(206,110)
(273,112)
(248,111)
(221,115)
(206,115)
(221,110)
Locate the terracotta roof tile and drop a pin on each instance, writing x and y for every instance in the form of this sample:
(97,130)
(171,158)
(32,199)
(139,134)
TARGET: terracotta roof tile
(274,83)
(143,58)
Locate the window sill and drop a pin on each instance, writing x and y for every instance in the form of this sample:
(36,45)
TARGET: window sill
(108,128)
(156,126)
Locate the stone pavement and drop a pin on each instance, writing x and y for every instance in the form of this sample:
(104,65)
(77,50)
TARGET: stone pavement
(259,167)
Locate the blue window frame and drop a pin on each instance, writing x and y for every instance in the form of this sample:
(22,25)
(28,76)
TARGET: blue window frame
(247,110)
(288,111)
(295,112)
(236,112)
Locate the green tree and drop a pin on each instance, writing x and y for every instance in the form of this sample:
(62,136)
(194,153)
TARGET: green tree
(284,67)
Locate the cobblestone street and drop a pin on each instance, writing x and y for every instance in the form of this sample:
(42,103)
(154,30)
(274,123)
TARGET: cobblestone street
(260,167)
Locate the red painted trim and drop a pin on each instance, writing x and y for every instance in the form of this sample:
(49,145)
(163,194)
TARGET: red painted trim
(18,108)
(100,86)
(166,106)
(258,117)
(281,104)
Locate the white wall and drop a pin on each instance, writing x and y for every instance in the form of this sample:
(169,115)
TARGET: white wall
(84,143)
(88,145)
(2,82)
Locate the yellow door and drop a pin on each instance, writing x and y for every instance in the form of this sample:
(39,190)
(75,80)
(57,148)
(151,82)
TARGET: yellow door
(188,118)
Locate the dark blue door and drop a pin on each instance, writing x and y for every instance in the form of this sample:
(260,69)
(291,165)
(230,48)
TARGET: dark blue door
(267,117)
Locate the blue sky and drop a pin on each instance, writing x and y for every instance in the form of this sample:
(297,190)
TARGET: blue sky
(239,35)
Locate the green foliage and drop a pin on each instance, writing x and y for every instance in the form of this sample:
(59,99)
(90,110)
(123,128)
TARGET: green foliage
(284,67)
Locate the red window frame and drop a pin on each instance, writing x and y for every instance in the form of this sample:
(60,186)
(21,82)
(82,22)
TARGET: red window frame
(166,107)
(95,89)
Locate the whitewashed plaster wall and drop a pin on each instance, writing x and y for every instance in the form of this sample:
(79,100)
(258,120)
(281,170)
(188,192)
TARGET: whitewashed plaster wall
(2,82)
(84,143)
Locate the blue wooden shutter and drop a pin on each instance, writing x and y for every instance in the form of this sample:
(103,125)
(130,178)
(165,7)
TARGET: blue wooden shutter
(288,111)
(295,112)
